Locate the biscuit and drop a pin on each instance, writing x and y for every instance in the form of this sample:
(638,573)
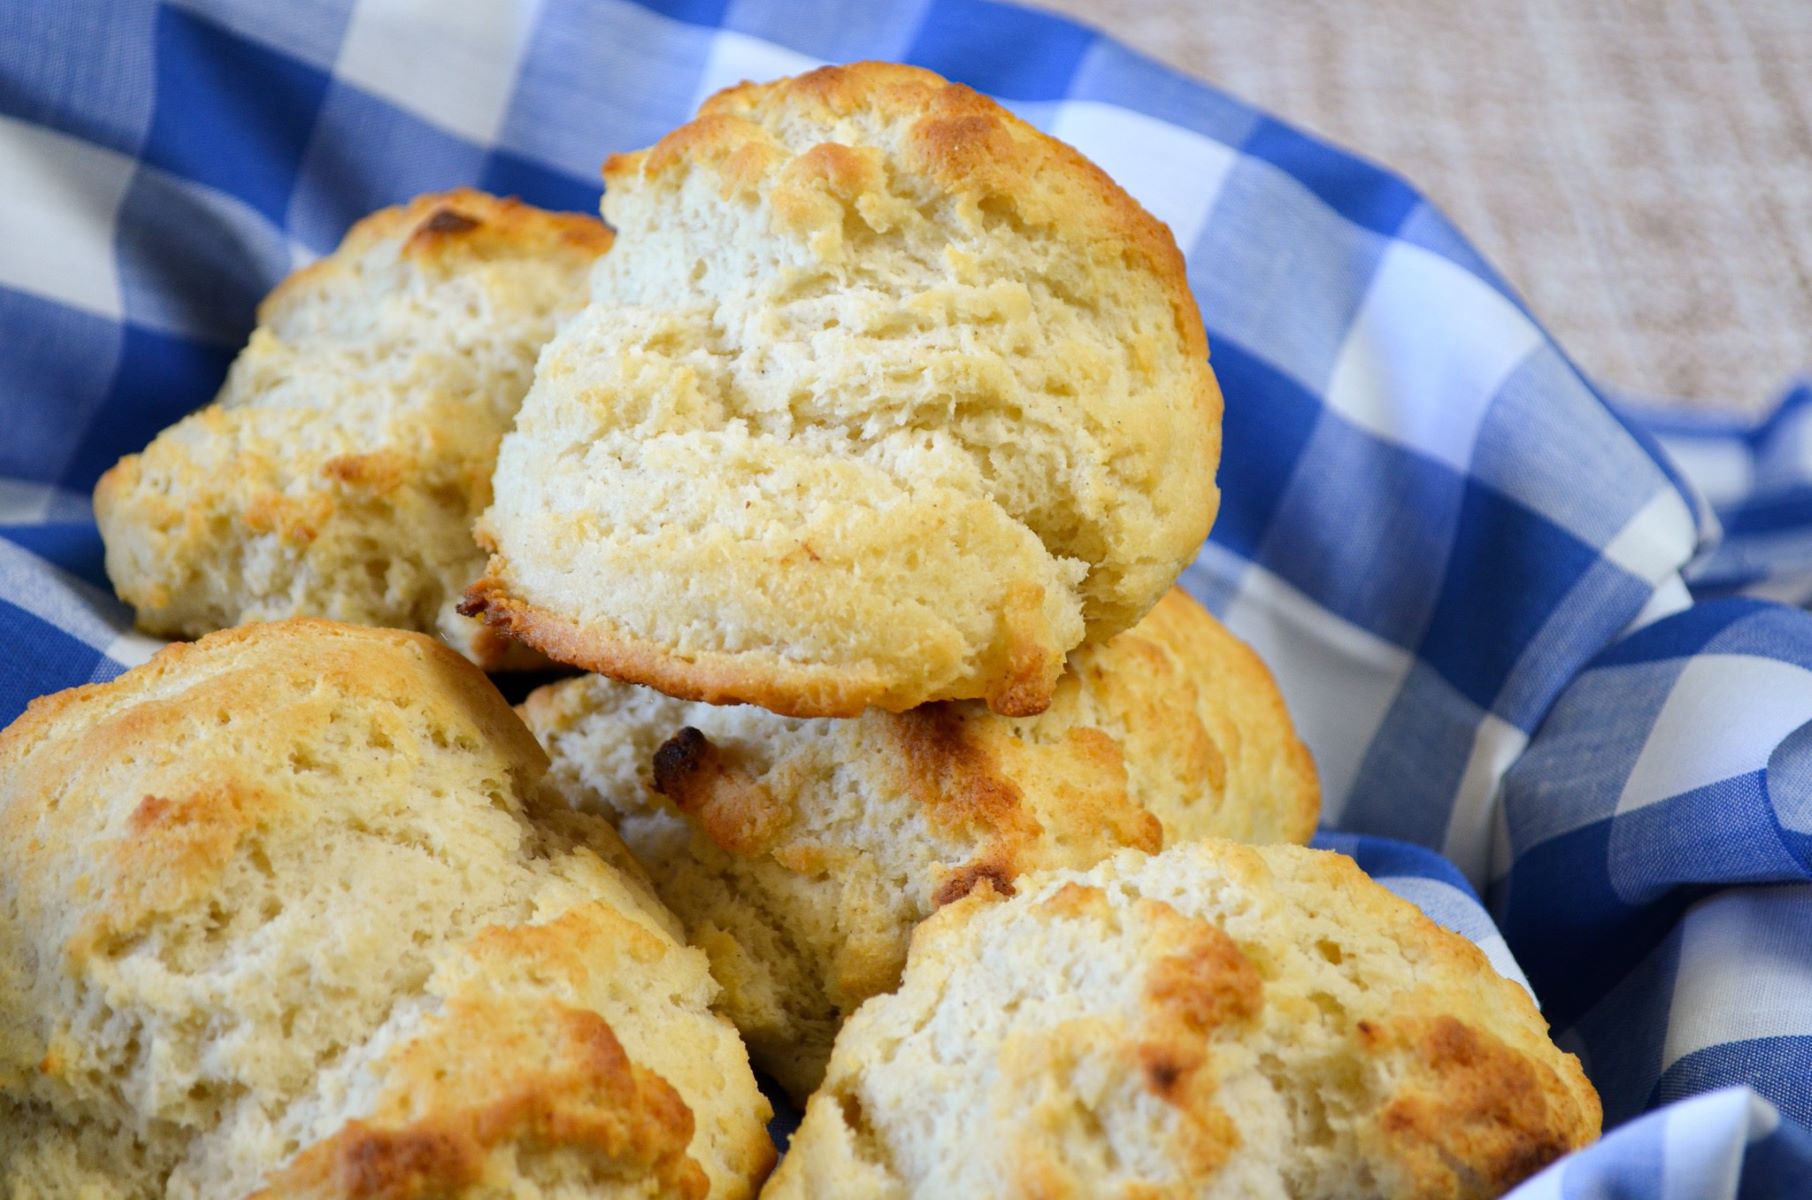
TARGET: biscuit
(801,852)
(1215,1021)
(339,470)
(884,397)
(288,912)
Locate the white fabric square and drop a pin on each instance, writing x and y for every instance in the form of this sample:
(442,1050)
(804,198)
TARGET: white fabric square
(450,62)
(1427,353)
(1670,596)
(1657,539)
(1724,717)
(1472,823)
(1745,971)
(1175,173)
(739,58)
(58,208)
(1338,680)
(1723,470)
(130,649)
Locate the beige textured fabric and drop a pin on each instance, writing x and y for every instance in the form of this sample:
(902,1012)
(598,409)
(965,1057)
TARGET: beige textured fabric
(286,911)
(1641,172)
(1216,1021)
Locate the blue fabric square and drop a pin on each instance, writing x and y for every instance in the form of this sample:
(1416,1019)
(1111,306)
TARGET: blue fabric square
(1420,752)
(40,658)
(1377,563)
(1014,53)
(1112,74)
(1574,772)
(75,546)
(1267,422)
(1509,571)
(506,174)
(693,12)
(193,261)
(1279,272)
(1544,432)
(1724,832)
(57,364)
(1363,194)
(160,379)
(1599,606)
(82,67)
(831,30)
(1685,634)
(1622,1038)
(230,113)
(580,98)
(1573,935)
(310,30)
(354,127)
(1777,1067)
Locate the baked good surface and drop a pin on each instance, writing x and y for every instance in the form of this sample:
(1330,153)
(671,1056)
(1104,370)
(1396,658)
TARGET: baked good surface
(884,397)
(801,852)
(1217,1020)
(339,471)
(287,912)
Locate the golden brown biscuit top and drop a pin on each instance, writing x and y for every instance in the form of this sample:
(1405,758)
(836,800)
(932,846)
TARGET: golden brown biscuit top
(444,232)
(787,136)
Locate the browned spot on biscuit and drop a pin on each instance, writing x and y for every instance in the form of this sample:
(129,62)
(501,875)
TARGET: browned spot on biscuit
(447,220)
(394,1164)
(379,471)
(679,757)
(955,779)
(962,146)
(1029,674)
(1473,1103)
(1074,899)
(723,800)
(1167,1067)
(1207,983)
(474,603)
(528,1080)
(442,227)
(148,812)
(968,877)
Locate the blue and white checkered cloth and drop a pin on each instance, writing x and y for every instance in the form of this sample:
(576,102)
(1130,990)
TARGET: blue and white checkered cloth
(1504,617)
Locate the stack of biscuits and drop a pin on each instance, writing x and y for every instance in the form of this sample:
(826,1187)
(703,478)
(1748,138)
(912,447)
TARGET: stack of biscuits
(858,474)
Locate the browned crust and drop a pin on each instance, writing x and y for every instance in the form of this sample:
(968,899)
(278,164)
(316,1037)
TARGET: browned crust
(1473,1111)
(793,690)
(451,228)
(994,878)
(968,144)
(1179,656)
(542,1078)
(733,810)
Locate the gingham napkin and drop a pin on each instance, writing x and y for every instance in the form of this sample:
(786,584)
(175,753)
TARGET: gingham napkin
(1499,611)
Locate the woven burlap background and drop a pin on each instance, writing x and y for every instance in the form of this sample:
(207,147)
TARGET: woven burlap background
(1641,170)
